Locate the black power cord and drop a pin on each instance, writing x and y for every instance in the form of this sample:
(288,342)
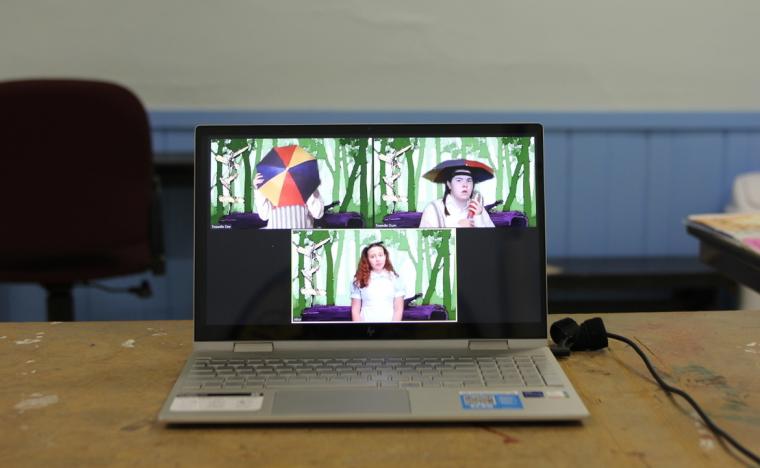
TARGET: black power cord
(671,389)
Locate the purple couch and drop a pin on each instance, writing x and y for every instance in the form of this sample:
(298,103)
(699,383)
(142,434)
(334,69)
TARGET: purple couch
(403,219)
(339,220)
(411,219)
(243,221)
(328,221)
(508,218)
(333,313)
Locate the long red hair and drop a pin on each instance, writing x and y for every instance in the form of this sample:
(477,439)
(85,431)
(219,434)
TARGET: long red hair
(361,278)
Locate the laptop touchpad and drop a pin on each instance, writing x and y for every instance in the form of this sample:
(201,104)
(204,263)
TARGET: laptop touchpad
(340,401)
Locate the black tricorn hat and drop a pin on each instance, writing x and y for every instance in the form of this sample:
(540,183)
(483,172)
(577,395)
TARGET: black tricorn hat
(443,171)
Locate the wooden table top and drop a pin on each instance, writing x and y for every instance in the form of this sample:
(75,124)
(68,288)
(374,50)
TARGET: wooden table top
(83,394)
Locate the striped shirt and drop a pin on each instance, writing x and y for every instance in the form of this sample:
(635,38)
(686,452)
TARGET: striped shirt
(290,217)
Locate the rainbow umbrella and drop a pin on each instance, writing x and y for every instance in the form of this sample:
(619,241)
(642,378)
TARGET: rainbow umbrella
(290,175)
(440,173)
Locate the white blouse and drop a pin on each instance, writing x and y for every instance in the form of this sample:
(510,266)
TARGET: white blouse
(378,296)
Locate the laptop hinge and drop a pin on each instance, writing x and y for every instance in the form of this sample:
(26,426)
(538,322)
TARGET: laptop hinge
(266,347)
(488,345)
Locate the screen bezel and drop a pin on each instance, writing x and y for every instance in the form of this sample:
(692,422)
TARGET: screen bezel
(353,331)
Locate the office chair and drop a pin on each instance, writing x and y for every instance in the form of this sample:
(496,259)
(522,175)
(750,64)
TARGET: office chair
(79,196)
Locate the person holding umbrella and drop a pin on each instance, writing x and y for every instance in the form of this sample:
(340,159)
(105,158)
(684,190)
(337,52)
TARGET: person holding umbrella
(461,205)
(285,186)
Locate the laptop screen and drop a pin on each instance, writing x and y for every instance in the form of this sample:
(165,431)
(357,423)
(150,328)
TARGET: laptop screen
(349,231)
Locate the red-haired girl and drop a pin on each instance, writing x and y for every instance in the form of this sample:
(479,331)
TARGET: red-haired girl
(377,293)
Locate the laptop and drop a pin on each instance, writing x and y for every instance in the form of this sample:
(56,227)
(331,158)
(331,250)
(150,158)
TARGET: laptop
(370,273)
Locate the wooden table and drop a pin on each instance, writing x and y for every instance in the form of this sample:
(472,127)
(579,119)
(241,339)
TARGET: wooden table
(87,394)
(727,255)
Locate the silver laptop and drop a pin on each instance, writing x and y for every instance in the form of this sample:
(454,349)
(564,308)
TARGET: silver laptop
(370,273)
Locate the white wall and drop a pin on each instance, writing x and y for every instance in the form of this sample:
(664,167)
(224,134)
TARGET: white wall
(485,55)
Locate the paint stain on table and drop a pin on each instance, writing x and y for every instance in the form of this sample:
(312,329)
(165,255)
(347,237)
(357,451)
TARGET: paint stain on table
(506,438)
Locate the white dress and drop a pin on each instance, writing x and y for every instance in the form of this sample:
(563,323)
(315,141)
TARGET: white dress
(378,296)
(435,216)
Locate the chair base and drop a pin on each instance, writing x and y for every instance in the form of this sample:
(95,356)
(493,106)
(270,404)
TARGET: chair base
(60,302)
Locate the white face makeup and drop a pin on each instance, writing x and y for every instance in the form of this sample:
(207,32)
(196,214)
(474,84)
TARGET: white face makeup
(461,187)
(376,257)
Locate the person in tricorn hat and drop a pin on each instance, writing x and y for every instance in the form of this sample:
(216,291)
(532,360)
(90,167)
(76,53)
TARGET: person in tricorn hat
(461,205)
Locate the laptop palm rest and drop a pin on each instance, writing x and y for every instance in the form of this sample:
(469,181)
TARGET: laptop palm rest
(340,401)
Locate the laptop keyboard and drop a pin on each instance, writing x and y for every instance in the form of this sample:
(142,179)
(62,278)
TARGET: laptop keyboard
(410,372)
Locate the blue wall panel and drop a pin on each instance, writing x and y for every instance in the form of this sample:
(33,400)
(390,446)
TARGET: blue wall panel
(22,302)
(607,194)
(158,142)
(742,154)
(178,212)
(616,185)
(659,216)
(626,189)
(101,305)
(178,141)
(556,183)
(696,184)
(685,177)
(180,287)
(588,178)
